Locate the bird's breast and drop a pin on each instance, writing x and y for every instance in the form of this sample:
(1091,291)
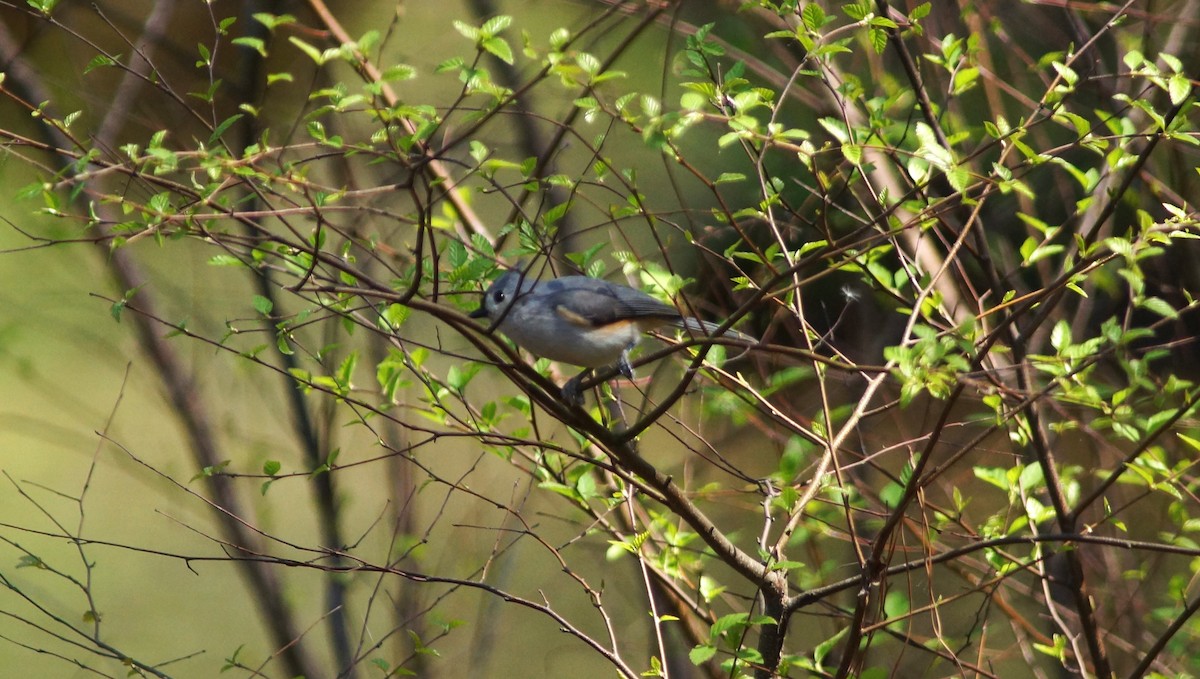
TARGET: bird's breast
(560,338)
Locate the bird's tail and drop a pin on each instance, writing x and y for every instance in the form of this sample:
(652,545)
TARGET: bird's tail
(699,327)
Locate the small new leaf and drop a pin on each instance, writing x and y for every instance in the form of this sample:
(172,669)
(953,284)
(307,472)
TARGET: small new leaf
(263,305)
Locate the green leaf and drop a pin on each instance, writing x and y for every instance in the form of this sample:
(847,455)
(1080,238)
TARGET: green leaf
(994,475)
(1179,87)
(271,21)
(857,11)
(813,16)
(496,24)
(211,470)
(1068,75)
(728,622)
(393,316)
(1159,306)
(31,561)
(281,343)
(890,494)
(345,371)
(822,649)
(499,48)
(853,153)
(312,52)
(466,30)
(118,307)
(559,38)
(788,565)
(43,6)
(99,61)
(398,72)
(709,589)
(693,101)
(879,39)
(1060,336)
(225,125)
(459,376)
(255,44)
(701,654)
(263,305)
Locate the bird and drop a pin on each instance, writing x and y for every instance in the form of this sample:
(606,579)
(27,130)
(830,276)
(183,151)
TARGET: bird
(580,320)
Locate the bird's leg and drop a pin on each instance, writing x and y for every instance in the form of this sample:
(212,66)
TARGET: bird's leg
(570,390)
(623,366)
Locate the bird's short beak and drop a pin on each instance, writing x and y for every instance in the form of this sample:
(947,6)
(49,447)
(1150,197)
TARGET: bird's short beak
(479,313)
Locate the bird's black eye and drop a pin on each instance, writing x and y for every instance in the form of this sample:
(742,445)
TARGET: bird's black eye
(498,297)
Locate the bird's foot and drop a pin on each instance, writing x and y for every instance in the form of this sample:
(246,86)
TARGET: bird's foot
(570,390)
(623,366)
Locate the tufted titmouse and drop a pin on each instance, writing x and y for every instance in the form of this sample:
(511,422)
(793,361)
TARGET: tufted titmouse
(580,320)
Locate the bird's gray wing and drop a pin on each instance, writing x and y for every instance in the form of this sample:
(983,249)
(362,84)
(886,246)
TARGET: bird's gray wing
(591,301)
